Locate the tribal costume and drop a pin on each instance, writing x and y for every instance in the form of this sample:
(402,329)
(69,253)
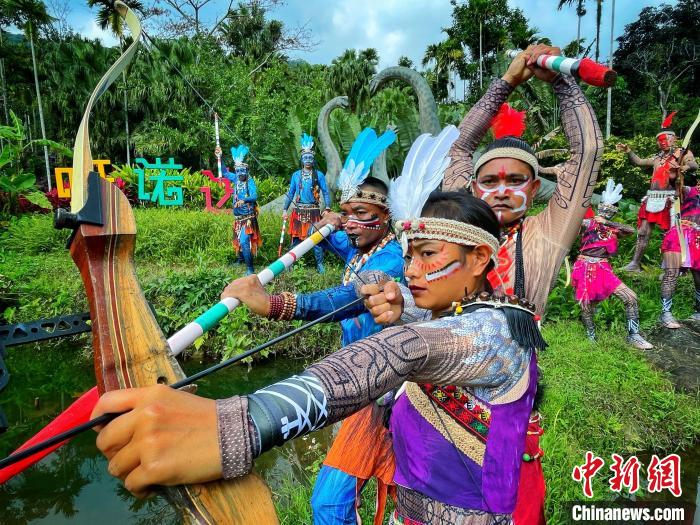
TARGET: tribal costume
(458,455)
(656,205)
(593,278)
(246,232)
(305,190)
(671,250)
(546,237)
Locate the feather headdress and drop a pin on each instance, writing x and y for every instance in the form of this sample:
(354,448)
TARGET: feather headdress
(508,122)
(366,148)
(612,193)
(307,144)
(422,173)
(667,124)
(508,127)
(239,154)
(610,196)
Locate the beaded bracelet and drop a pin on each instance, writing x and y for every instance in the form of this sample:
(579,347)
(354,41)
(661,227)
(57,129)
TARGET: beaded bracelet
(276,305)
(289,307)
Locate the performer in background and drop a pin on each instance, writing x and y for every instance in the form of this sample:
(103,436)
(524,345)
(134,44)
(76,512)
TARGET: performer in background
(368,245)
(656,206)
(246,233)
(305,190)
(593,278)
(673,262)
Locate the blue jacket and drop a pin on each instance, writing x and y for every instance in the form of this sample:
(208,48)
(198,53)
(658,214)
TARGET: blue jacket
(243,191)
(356,323)
(302,188)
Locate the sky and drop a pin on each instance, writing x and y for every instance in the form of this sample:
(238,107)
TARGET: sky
(399,27)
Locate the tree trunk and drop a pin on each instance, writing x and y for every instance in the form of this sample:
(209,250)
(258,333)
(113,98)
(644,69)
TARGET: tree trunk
(4,86)
(578,39)
(126,109)
(481,56)
(598,15)
(608,119)
(41,110)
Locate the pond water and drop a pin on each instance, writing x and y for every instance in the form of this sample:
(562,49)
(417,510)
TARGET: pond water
(73,486)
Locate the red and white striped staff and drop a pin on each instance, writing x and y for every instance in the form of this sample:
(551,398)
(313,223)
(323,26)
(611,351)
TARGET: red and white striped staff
(585,69)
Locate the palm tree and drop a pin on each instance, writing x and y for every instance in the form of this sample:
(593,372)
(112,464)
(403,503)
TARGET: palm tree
(30,14)
(350,73)
(580,13)
(107,16)
(598,16)
(447,56)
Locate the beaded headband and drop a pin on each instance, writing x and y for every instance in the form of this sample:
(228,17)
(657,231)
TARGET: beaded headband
(370,197)
(508,153)
(665,132)
(446,230)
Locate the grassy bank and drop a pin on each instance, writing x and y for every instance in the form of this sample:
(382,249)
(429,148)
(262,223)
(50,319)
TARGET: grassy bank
(602,397)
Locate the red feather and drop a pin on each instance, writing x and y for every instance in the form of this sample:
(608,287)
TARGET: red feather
(508,122)
(667,121)
(589,213)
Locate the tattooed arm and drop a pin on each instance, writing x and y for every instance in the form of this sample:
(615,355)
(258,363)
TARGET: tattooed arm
(640,162)
(471,130)
(473,350)
(622,229)
(560,221)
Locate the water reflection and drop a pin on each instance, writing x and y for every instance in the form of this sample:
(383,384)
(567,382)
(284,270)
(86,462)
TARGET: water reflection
(73,486)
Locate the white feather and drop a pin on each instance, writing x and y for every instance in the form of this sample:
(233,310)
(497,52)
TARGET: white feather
(422,173)
(612,193)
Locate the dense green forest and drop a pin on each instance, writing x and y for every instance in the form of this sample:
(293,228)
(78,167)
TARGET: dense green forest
(240,69)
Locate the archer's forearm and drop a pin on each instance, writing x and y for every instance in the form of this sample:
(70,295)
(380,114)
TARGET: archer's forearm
(471,130)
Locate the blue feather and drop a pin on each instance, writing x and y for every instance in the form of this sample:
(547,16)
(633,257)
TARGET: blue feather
(379,145)
(363,140)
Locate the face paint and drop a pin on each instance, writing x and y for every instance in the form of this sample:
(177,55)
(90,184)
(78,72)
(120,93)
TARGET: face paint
(307,159)
(444,272)
(373,223)
(242,172)
(503,190)
(663,142)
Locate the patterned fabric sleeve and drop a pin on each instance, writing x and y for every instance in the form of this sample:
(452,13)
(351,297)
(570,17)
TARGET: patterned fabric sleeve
(473,350)
(316,304)
(560,221)
(471,130)
(292,192)
(252,191)
(324,189)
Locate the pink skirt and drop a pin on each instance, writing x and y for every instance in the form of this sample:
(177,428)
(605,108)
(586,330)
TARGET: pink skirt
(692,239)
(593,281)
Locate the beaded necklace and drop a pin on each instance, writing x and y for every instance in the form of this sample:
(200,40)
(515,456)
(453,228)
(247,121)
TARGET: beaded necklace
(358,260)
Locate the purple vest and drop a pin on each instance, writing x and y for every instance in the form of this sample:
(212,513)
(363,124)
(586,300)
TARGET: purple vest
(486,478)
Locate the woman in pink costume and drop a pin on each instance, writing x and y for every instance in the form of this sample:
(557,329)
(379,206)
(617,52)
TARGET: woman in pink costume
(593,277)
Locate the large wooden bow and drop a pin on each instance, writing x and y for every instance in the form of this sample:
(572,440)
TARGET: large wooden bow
(130,349)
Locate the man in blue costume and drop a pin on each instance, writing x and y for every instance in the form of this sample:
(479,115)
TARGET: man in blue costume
(305,189)
(246,233)
(366,243)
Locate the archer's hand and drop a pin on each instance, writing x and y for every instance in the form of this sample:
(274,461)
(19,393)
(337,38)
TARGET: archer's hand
(385,305)
(623,148)
(217,151)
(284,215)
(329,217)
(251,293)
(168,437)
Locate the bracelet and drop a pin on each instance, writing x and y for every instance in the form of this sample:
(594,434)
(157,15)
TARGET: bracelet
(289,306)
(282,306)
(276,305)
